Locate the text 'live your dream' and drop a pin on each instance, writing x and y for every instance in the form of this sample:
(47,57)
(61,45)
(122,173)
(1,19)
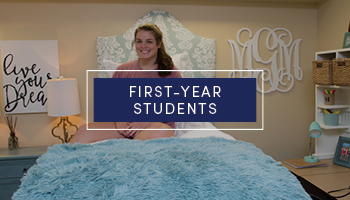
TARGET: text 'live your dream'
(20,91)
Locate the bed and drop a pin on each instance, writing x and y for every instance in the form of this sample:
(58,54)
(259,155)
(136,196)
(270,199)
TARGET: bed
(200,162)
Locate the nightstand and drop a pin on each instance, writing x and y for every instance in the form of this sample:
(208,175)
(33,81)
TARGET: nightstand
(13,163)
(320,180)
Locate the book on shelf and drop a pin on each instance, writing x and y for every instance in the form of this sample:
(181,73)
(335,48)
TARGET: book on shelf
(301,163)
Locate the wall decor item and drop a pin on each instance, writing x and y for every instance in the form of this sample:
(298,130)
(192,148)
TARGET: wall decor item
(282,68)
(342,152)
(346,43)
(26,66)
(13,140)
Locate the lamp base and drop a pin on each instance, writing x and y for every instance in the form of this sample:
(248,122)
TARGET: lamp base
(311,159)
(64,121)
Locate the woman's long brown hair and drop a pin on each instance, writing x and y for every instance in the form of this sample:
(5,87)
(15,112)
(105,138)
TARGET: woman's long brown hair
(163,60)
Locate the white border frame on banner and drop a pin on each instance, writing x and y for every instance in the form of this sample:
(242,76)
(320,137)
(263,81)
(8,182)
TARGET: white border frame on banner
(220,129)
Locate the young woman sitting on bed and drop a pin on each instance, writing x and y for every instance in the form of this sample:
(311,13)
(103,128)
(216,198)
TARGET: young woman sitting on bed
(150,48)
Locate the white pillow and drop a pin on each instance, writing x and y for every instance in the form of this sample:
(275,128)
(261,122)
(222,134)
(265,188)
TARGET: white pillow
(206,133)
(110,65)
(180,60)
(187,125)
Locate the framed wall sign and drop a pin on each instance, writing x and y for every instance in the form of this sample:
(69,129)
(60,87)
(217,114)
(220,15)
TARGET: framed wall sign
(346,43)
(342,152)
(26,66)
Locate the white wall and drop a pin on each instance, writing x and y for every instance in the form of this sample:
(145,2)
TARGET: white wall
(76,26)
(333,20)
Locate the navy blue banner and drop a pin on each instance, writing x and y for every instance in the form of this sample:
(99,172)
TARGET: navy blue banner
(175,100)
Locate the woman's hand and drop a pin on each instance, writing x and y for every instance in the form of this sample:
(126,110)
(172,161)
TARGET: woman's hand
(122,125)
(131,125)
(136,125)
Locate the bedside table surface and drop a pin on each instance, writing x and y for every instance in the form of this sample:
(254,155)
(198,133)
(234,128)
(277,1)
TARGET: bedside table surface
(22,152)
(329,182)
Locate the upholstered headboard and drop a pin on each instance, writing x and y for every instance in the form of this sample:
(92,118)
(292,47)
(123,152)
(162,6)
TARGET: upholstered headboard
(189,51)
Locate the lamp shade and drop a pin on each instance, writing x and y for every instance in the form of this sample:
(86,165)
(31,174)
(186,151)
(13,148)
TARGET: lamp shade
(62,97)
(315,130)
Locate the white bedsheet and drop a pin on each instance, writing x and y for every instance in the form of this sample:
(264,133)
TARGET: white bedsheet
(200,133)
(206,133)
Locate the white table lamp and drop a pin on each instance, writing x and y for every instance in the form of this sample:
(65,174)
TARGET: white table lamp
(63,101)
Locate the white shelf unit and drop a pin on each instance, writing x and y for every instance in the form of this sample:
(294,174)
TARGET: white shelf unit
(326,144)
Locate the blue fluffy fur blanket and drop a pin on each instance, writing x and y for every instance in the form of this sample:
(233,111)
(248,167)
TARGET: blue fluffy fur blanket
(169,168)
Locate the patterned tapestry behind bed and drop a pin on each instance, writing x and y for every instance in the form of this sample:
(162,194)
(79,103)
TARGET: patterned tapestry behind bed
(177,40)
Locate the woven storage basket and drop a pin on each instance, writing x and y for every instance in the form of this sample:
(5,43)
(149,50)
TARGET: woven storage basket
(341,71)
(322,72)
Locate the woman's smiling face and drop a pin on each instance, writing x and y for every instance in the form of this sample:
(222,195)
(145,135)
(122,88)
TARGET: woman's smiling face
(146,45)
